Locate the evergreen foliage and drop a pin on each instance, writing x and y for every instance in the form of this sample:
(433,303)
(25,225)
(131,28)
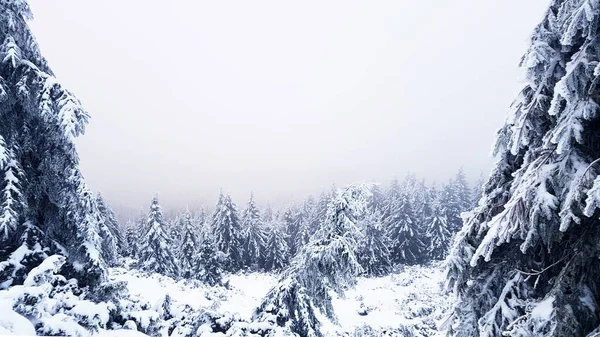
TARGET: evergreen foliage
(404,232)
(277,251)
(155,255)
(254,236)
(189,243)
(526,260)
(227,231)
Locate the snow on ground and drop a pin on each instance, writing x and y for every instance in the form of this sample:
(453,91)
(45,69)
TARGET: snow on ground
(244,293)
(12,323)
(412,297)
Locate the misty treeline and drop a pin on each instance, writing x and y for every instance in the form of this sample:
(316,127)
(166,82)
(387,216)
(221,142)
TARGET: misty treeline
(406,222)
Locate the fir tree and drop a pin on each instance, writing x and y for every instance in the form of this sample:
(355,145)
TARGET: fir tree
(327,263)
(405,236)
(42,189)
(253,236)
(374,254)
(462,190)
(155,255)
(277,250)
(438,234)
(227,231)
(13,203)
(526,260)
(114,243)
(477,192)
(132,239)
(452,205)
(209,262)
(189,243)
(268,214)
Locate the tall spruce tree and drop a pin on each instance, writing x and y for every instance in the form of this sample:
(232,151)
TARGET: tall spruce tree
(404,232)
(253,236)
(373,251)
(132,237)
(44,201)
(227,230)
(477,192)
(328,263)
(438,234)
(277,251)
(462,190)
(452,205)
(209,262)
(189,246)
(155,255)
(526,260)
(112,244)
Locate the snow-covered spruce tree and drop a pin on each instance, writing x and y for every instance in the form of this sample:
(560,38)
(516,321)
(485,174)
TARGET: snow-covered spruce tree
(477,192)
(462,190)
(114,243)
(319,212)
(227,230)
(452,205)
(277,252)
(378,201)
(438,235)
(268,213)
(526,260)
(44,199)
(209,262)
(132,237)
(405,235)
(290,226)
(155,255)
(306,228)
(327,263)
(253,235)
(373,251)
(189,245)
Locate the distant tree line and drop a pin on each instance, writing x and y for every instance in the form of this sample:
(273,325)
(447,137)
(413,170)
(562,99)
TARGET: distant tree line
(406,222)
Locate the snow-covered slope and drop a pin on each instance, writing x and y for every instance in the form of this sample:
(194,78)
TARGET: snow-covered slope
(408,302)
(241,297)
(411,299)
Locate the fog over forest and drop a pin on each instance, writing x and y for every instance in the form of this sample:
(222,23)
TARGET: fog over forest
(279,98)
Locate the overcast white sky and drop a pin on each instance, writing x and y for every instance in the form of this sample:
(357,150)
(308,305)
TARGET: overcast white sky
(283,97)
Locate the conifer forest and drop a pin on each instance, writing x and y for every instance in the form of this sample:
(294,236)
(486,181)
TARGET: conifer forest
(511,250)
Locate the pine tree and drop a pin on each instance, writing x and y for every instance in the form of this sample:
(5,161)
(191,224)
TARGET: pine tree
(405,236)
(462,190)
(209,262)
(42,188)
(155,255)
(374,254)
(13,203)
(114,243)
(227,230)
(378,201)
(132,239)
(526,260)
(290,228)
(254,236)
(277,250)
(438,234)
(268,214)
(327,263)
(189,243)
(452,206)
(477,192)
